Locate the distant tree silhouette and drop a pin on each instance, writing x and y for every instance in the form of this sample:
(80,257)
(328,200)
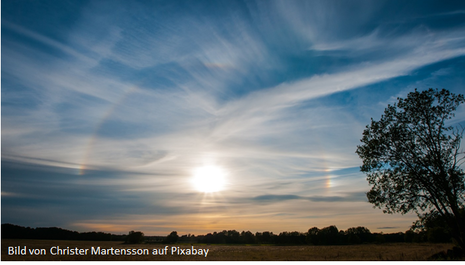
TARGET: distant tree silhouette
(172,237)
(315,236)
(329,236)
(291,238)
(265,237)
(393,238)
(409,236)
(54,233)
(312,236)
(412,159)
(248,237)
(357,235)
(17,232)
(233,237)
(135,237)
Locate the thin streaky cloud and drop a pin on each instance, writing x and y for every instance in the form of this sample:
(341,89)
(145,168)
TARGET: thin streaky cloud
(129,102)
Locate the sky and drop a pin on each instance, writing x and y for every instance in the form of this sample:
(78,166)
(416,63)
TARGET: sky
(203,116)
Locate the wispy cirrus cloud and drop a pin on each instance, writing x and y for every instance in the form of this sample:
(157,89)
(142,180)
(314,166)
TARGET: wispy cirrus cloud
(357,196)
(277,94)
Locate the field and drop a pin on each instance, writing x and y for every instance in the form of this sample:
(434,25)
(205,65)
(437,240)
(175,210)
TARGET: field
(394,252)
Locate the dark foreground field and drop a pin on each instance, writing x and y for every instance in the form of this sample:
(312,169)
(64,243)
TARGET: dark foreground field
(398,251)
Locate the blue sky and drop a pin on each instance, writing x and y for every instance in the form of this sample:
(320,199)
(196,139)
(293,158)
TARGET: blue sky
(109,108)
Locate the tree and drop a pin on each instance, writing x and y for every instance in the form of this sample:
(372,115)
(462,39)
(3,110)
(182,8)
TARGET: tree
(312,235)
(248,237)
(329,236)
(412,159)
(172,237)
(135,237)
(357,235)
(434,227)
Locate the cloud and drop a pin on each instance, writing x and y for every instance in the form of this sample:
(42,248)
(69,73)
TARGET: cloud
(356,196)
(277,94)
(47,41)
(387,227)
(188,121)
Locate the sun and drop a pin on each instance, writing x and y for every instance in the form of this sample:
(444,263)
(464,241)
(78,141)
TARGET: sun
(209,179)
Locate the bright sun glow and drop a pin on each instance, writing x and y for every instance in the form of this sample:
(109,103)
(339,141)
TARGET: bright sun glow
(209,179)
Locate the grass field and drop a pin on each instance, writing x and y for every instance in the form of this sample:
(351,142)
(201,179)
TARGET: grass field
(395,252)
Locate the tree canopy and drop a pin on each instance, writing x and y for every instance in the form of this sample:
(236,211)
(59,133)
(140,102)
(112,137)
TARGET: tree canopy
(172,237)
(135,237)
(412,158)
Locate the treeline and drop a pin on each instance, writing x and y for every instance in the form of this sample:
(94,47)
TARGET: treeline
(425,232)
(326,236)
(19,232)
(314,236)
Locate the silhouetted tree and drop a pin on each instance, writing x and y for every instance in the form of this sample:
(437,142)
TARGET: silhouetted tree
(233,237)
(172,237)
(265,237)
(357,235)
(248,237)
(17,232)
(329,236)
(55,233)
(434,227)
(208,238)
(394,237)
(312,236)
(291,238)
(409,236)
(412,159)
(134,237)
